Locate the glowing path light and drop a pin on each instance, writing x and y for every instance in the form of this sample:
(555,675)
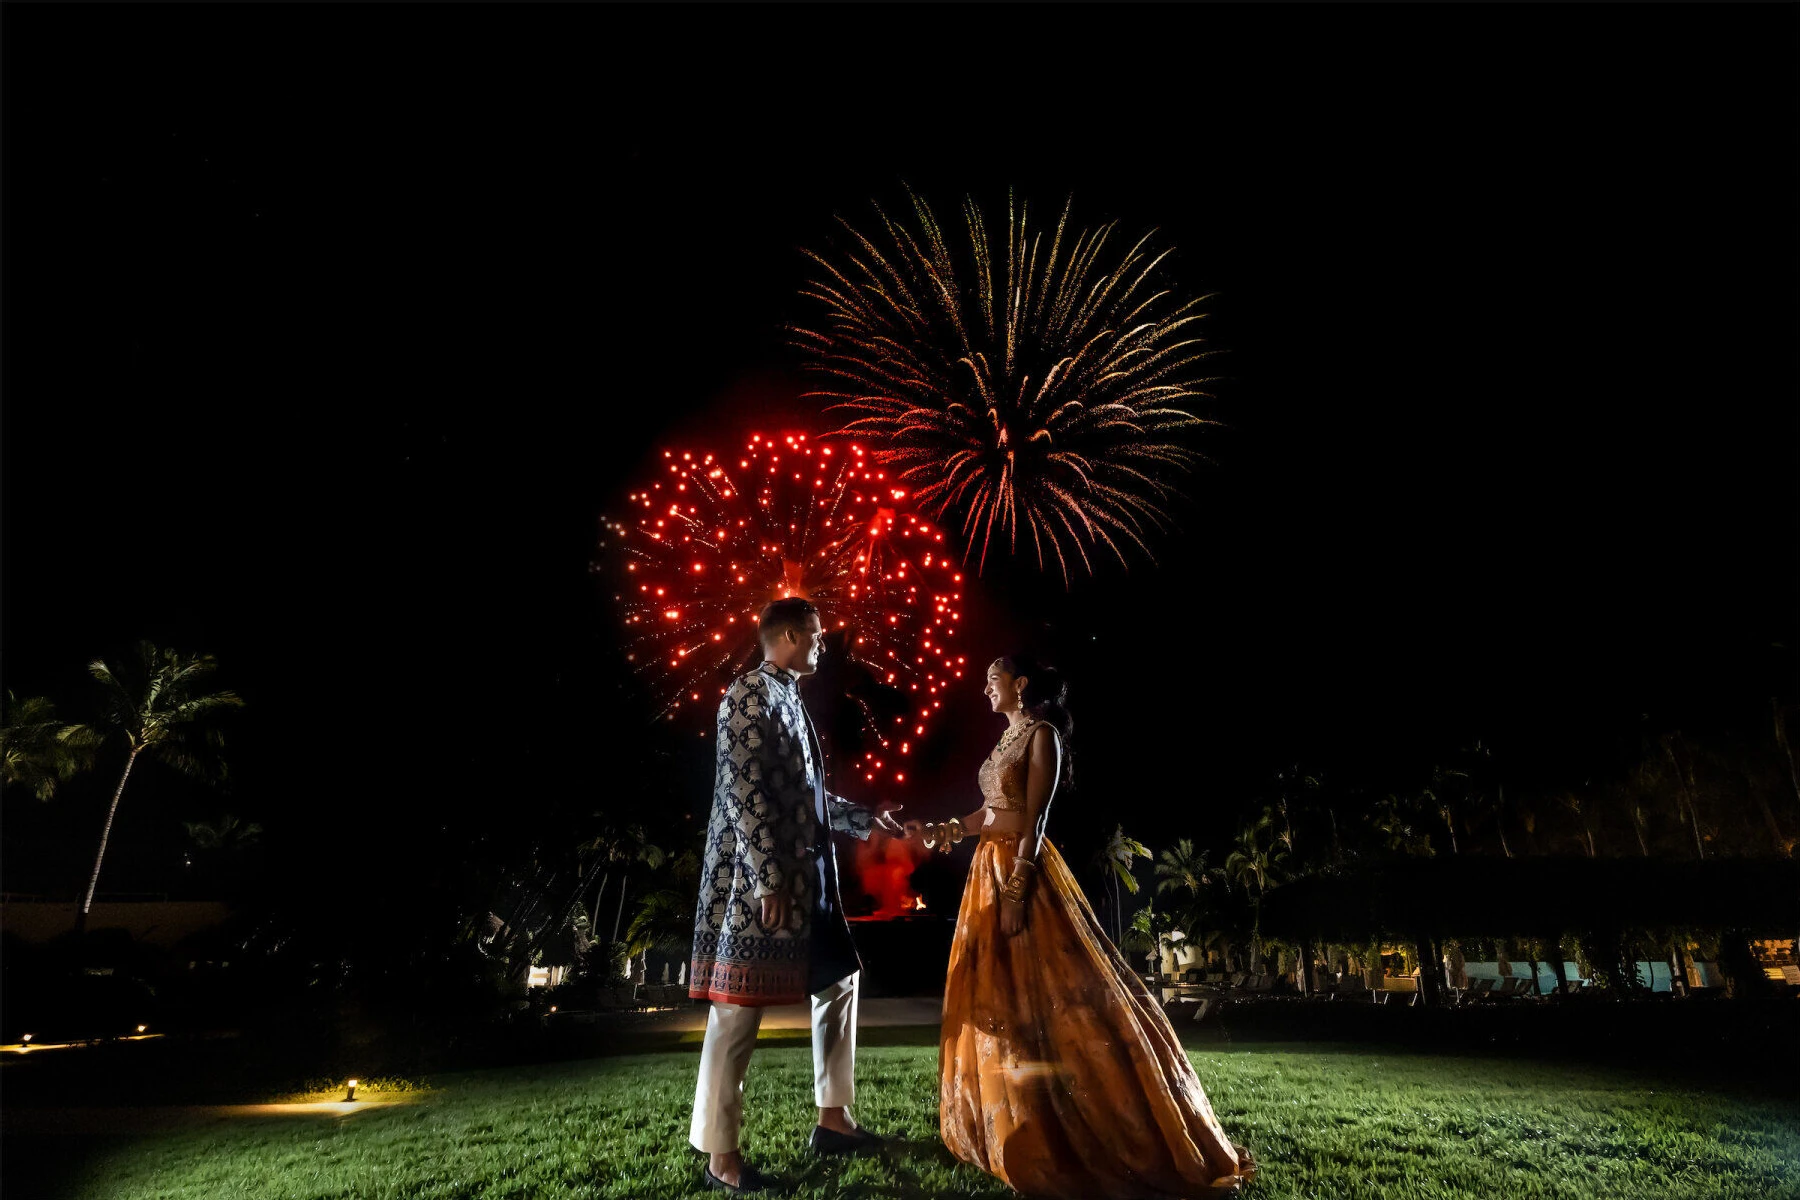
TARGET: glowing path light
(715,537)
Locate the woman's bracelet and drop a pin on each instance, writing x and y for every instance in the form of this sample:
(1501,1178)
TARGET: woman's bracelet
(1024,870)
(941,836)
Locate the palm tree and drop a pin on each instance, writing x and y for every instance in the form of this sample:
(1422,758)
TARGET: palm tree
(1684,788)
(1259,855)
(161,704)
(1115,859)
(1184,870)
(664,919)
(621,849)
(1299,791)
(1151,933)
(1447,795)
(1389,819)
(229,836)
(1581,805)
(1499,807)
(37,751)
(1476,788)
(1255,865)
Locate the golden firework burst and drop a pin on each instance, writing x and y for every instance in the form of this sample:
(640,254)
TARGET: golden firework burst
(1044,396)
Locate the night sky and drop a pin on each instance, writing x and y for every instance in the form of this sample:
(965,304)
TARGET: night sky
(330,335)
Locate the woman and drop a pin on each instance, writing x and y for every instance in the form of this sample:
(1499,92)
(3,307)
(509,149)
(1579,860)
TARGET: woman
(1060,1075)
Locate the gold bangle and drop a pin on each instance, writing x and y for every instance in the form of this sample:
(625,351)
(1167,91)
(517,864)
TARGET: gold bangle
(941,835)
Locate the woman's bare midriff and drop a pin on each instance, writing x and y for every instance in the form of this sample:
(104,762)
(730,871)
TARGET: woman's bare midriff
(1003,821)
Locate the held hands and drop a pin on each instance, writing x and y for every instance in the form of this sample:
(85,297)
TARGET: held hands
(942,835)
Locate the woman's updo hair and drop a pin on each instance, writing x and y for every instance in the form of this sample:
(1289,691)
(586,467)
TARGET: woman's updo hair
(1046,696)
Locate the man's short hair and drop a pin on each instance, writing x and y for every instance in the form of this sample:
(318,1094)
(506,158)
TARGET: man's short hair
(779,616)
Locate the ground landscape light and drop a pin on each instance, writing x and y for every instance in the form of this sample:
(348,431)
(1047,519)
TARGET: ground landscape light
(141,1028)
(350,1091)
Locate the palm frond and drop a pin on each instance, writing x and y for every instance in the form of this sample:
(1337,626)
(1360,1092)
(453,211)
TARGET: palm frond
(664,920)
(37,751)
(161,704)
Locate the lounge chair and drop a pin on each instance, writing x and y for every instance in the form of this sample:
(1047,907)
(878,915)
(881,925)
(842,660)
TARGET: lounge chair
(1399,985)
(1478,990)
(1247,985)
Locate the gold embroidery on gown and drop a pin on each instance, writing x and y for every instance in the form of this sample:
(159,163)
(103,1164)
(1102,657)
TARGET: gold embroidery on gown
(1059,1073)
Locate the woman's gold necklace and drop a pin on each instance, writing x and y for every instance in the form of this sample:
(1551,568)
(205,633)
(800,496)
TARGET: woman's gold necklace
(1012,735)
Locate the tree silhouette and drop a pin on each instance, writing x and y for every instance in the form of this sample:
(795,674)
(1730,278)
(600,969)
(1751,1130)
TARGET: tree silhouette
(1255,864)
(37,751)
(619,849)
(162,704)
(1394,830)
(1185,872)
(1115,859)
(1151,934)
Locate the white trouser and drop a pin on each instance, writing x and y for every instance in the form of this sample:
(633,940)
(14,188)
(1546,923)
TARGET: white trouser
(725,1056)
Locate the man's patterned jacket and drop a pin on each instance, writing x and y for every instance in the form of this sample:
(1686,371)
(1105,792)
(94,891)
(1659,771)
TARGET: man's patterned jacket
(769,833)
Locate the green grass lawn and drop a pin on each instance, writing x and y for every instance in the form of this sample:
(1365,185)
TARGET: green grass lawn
(1325,1121)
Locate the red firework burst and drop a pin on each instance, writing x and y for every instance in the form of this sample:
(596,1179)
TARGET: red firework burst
(717,536)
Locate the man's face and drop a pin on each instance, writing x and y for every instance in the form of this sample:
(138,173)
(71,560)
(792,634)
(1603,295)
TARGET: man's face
(806,647)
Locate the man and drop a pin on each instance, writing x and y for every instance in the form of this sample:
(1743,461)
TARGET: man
(770,926)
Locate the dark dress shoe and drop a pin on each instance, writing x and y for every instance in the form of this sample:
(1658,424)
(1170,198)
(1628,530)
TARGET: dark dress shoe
(751,1182)
(830,1141)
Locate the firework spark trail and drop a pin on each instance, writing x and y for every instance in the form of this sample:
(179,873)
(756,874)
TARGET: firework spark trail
(1054,401)
(718,536)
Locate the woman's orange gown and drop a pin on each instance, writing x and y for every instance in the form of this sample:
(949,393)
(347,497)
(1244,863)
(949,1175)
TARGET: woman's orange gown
(1060,1074)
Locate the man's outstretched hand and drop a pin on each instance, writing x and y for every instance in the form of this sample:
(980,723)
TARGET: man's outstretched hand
(884,817)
